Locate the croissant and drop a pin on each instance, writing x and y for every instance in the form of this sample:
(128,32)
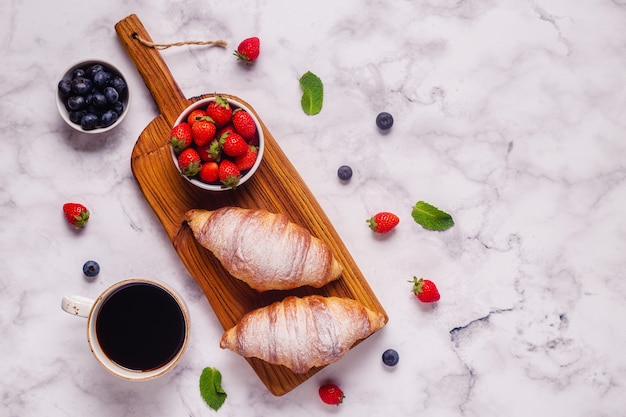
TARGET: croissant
(302,333)
(264,249)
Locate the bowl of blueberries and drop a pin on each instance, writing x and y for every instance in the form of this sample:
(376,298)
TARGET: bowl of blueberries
(93,96)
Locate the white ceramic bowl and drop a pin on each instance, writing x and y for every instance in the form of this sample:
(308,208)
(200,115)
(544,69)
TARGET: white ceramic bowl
(202,104)
(61,99)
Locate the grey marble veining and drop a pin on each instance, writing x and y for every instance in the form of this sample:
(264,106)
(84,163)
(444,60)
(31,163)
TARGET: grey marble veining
(509,115)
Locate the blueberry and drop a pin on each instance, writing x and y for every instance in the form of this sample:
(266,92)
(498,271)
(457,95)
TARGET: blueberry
(65,87)
(89,121)
(93,69)
(76,102)
(78,72)
(77,115)
(111,94)
(108,118)
(118,83)
(91,269)
(390,357)
(384,121)
(344,172)
(81,85)
(93,109)
(118,107)
(99,100)
(101,79)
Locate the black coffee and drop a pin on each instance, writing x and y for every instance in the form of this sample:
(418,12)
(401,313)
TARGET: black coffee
(140,327)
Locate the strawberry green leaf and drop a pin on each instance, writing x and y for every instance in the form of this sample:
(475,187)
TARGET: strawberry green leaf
(430,217)
(312,93)
(211,388)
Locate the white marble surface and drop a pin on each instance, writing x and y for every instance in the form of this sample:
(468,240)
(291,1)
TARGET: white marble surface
(509,115)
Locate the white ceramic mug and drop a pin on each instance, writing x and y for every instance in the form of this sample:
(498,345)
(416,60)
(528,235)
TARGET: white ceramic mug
(137,329)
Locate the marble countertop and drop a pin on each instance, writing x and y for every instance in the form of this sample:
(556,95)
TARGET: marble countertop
(511,116)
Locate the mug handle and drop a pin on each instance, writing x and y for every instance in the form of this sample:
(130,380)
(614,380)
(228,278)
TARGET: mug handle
(77,305)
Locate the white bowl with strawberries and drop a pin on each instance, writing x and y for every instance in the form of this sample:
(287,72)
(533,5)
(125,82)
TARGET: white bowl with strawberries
(217,143)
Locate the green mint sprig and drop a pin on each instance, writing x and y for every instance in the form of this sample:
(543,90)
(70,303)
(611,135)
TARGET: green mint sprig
(211,388)
(430,217)
(312,93)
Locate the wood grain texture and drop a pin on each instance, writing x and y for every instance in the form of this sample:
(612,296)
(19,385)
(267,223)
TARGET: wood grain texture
(276,187)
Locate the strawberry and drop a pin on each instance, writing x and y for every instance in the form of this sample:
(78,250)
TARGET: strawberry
(203,131)
(76,214)
(180,136)
(229,175)
(383,222)
(233,145)
(244,124)
(248,50)
(195,115)
(331,394)
(220,111)
(246,161)
(189,162)
(209,172)
(425,290)
(229,128)
(211,151)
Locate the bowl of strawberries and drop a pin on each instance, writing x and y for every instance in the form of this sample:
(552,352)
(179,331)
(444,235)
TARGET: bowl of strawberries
(217,143)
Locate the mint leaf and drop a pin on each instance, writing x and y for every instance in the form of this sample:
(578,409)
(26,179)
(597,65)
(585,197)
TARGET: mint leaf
(211,388)
(430,217)
(312,93)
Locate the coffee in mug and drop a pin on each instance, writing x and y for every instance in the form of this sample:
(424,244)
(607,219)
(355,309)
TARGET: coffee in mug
(137,328)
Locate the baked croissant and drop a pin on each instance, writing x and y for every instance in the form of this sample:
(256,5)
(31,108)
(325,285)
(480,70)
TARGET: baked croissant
(264,249)
(302,333)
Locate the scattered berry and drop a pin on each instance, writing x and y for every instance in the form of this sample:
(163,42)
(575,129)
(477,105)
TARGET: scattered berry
(425,290)
(91,269)
(76,214)
(331,394)
(384,121)
(390,357)
(344,172)
(383,222)
(189,162)
(248,50)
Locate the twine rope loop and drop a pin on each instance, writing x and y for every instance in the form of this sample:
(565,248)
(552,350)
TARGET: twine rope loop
(161,46)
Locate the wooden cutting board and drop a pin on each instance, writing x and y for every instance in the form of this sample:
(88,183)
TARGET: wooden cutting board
(276,187)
